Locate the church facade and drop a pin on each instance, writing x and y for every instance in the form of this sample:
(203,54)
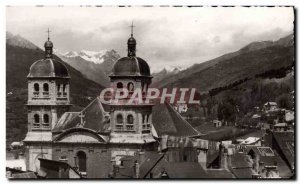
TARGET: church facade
(96,139)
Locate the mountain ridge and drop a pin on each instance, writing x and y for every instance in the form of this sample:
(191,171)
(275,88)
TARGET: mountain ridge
(194,72)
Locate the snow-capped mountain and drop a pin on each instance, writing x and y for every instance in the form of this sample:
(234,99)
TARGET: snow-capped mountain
(166,72)
(95,65)
(96,57)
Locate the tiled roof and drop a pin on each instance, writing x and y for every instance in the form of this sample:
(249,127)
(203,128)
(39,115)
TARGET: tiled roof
(131,66)
(219,174)
(93,118)
(167,121)
(48,68)
(285,141)
(38,136)
(55,165)
(212,155)
(151,160)
(25,175)
(243,172)
(185,170)
(240,160)
(284,170)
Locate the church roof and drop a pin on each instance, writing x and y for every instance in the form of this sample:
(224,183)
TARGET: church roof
(131,66)
(48,68)
(167,121)
(93,117)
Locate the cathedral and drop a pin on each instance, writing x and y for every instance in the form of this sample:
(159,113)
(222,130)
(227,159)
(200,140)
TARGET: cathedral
(99,137)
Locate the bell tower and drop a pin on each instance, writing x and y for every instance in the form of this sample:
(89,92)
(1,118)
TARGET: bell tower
(48,99)
(131,117)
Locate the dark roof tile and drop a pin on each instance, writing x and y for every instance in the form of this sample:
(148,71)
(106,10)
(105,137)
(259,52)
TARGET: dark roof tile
(48,68)
(167,121)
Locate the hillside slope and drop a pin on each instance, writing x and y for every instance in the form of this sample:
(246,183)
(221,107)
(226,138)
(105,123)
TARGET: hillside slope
(253,59)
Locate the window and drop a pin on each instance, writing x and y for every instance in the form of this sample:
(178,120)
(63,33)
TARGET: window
(119,85)
(143,85)
(36,87)
(146,126)
(46,120)
(81,161)
(143,116)
(129,119)
(64,90)
(145,88)
(36,123)
(58,90)
(119,119)
(130,87)
(119,125)
(46,87)
(129,125)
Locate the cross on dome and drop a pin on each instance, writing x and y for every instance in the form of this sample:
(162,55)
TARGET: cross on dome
(132,26)
(48,31)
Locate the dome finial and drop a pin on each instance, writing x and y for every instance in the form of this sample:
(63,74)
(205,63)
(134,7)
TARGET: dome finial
(48,46)
(131,43)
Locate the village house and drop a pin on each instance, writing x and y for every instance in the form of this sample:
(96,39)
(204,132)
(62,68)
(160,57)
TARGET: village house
(270,106)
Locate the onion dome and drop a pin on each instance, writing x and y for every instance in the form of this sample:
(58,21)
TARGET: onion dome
(48,44)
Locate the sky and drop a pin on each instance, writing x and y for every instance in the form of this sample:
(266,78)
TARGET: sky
(166,36)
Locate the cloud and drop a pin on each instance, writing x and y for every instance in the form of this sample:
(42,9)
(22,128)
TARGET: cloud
(165,36)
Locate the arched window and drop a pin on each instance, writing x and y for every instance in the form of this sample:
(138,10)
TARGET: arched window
(146,126)
(64,88)
(119,85)
(36,118)
(119,119)
(36,87)
(46,87)
(58,87)
(143,85)
(145,88)
(81,156)
(129,119)
(143,117)
(36,121)
(130,87)
(46,120)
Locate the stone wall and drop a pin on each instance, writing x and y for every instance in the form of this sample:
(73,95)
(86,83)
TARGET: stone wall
(98,163)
